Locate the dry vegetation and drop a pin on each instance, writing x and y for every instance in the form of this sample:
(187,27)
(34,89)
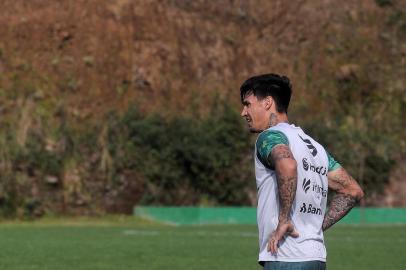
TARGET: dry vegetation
(65,66)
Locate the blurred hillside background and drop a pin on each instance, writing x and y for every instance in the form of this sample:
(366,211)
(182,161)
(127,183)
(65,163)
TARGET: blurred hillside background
(109,104)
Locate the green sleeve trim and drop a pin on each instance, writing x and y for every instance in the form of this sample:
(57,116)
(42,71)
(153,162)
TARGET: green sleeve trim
(267,140)
(332,163)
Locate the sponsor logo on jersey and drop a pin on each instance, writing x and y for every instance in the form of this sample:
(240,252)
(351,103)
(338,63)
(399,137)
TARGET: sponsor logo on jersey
(310,209)
(306,185)
(320,170)
(305,164)
(309,145)
(316,188)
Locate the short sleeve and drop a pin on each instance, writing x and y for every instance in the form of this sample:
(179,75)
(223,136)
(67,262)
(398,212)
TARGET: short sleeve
(332,163)
(266,141)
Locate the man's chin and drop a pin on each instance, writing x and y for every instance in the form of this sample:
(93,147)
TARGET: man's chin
(254,130)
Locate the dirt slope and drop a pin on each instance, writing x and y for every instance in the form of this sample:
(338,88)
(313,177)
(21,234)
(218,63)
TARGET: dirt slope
(91,57)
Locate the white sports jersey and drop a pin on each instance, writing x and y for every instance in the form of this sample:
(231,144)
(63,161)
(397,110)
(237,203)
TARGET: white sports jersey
(308,208)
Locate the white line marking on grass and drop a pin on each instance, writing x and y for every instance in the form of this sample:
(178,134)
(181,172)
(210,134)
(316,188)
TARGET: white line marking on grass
(140,232)
(226,234)
(152,233)
(362,239)
(190,233)
(373,225)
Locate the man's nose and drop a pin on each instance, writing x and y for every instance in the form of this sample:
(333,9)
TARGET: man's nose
(243,112)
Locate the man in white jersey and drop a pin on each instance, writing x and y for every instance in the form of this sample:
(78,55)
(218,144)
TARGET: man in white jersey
(293,174)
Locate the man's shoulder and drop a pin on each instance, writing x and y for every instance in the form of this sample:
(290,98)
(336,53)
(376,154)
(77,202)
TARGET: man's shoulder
(271,136)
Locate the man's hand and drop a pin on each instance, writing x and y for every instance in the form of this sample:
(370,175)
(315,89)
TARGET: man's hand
(283,229)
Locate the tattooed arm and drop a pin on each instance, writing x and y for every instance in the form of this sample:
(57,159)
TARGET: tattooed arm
(286,175)
(348,193)
(281,158)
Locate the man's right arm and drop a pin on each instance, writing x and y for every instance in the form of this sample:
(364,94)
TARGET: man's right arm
(348,193)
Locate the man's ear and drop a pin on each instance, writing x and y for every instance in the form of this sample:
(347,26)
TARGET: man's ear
(268,102)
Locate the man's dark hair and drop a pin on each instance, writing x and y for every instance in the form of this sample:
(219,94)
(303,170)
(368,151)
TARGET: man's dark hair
(274,85)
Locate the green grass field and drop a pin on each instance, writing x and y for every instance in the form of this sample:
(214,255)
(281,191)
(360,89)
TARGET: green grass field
(133,244)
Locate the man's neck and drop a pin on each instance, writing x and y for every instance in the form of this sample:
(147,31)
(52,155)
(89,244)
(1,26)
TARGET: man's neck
(276,118)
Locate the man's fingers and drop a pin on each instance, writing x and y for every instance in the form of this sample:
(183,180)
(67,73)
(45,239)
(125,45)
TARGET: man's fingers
(269,247)
(274,246)
(276,236)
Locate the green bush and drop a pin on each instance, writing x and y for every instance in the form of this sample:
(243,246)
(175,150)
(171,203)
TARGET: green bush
(185,160)
(383,3)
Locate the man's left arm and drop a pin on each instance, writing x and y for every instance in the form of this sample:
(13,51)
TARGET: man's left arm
(348,194)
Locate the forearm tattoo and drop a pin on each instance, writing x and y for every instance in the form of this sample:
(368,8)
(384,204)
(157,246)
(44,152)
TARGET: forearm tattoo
(342,201)
(339,207)
(286,179)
